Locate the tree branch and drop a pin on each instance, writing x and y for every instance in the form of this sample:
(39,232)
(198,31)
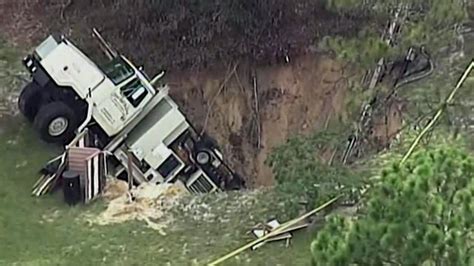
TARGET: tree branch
(391,262)
(210,105)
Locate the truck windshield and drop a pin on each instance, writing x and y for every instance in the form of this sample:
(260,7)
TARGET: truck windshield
(117,70)
(135,92)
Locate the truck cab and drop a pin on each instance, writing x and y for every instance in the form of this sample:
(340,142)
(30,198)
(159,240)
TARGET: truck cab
(121,97)
(63,77)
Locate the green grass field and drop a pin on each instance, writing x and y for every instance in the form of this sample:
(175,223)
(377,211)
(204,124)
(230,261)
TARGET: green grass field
(45,231)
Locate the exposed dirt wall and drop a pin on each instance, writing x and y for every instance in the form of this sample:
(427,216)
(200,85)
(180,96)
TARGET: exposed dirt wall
(293,98)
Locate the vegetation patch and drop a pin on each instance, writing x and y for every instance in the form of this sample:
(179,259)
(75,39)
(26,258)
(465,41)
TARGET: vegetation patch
(303,173)
(420,213)
(195,33)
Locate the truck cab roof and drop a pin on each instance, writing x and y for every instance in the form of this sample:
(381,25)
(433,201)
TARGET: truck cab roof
(68,66)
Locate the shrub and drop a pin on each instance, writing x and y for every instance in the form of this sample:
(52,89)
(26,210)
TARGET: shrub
(301,173)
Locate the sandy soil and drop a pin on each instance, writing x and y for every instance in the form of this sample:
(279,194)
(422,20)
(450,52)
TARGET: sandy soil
(294,98)
(388,125)
(147,202)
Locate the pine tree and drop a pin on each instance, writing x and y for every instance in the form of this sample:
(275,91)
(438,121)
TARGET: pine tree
(420,213)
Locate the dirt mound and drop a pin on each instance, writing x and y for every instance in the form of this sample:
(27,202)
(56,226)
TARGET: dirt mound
(294,98)
(149,203)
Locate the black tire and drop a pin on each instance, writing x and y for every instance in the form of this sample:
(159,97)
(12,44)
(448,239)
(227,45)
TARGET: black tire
(56,123)
(203,157)
(29,101)
(236,183)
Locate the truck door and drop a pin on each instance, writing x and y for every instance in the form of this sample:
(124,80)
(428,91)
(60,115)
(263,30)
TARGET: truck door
(134,95)
(122,104)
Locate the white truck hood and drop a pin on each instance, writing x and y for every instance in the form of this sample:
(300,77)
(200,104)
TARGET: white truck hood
(68,66)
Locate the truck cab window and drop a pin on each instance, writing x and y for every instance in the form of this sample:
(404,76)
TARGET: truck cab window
(117,70)
(169,166)
(134,91)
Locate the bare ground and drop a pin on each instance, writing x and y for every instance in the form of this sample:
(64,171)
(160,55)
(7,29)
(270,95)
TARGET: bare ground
(19,22)
(294,98)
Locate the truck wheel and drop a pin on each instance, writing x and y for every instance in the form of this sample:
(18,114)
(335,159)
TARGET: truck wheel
(29,101)
(203,157)
(56,123)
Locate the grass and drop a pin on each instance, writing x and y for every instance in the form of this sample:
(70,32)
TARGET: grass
(45,231)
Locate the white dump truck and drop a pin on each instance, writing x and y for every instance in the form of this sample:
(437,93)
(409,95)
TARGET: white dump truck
(137,125)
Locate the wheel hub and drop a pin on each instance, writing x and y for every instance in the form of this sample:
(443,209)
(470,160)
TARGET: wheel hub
(202,158)
(58,126)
